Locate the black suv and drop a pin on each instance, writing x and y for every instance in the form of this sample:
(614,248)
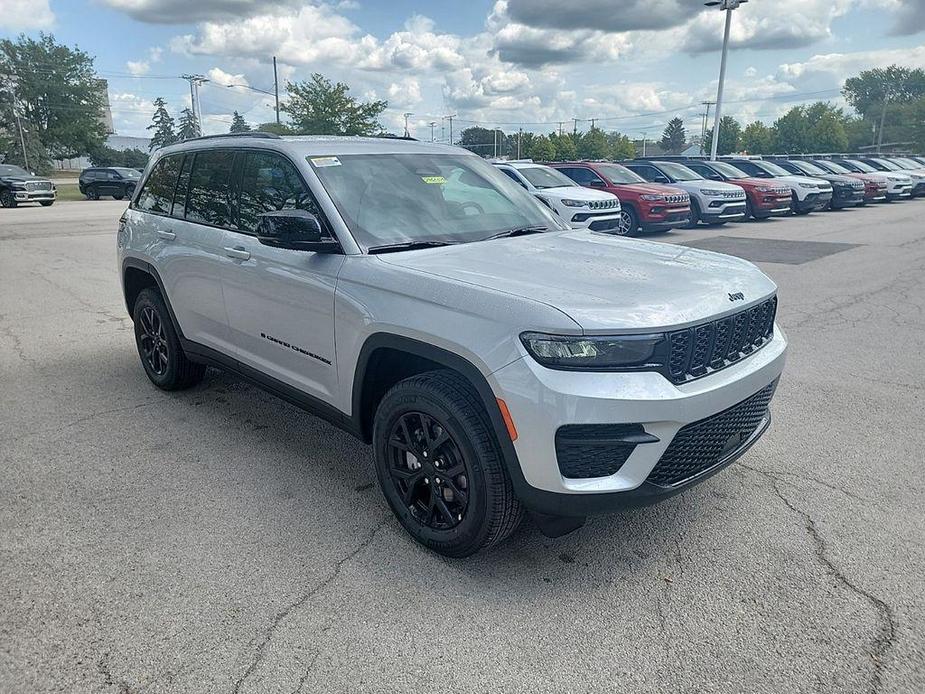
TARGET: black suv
(115,181)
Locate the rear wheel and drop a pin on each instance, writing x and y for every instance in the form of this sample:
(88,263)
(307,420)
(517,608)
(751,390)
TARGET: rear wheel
(7,199)
(440,467)
(47,203)
(162,357)
(629,222)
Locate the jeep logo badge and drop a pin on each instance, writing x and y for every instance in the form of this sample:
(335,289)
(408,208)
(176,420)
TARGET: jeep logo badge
(738,296)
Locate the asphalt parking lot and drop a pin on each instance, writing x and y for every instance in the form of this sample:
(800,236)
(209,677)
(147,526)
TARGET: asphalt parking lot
(220,540)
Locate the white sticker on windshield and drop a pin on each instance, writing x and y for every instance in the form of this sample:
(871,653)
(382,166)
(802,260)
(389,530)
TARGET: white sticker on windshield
(320,162)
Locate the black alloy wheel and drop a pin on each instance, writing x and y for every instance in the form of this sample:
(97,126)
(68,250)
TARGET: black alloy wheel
(7,199)
(91,194)
(695,215)
(153,341)
(429,471)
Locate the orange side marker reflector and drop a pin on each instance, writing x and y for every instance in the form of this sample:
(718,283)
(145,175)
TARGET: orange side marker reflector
(508,421)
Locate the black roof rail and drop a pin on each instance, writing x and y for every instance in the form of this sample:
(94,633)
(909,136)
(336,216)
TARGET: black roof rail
(251,133)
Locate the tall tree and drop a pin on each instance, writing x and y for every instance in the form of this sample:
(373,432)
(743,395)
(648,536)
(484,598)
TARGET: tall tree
(189,125)
(827,131)
(566,146)
(674,137)
(868,92)
(594,145)
(757,138)
(793,132)
(162,126)
(482,141)
(729,133)
(56,91)
(238,124)
(621,147)
(321,107)
(541,149)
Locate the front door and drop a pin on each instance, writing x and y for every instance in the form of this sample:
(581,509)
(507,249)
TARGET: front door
(280,302)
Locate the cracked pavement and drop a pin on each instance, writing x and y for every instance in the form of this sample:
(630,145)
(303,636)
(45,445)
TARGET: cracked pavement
(220,540)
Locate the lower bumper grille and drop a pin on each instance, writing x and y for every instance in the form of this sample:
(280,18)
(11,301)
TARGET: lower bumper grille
(584,451)
(703,445)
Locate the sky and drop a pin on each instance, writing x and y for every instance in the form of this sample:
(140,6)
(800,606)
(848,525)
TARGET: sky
(630,65)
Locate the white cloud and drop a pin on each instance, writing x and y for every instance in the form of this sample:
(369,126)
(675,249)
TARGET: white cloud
(138,67)
(22,15)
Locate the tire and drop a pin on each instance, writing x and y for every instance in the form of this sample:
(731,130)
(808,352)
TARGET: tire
(117,196)
(695,215)
(7,199)
(164,361)
(439,416)
(47,203)
(91,194)
(629,222)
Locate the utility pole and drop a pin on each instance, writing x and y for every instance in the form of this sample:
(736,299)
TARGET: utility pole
(194,83)
(407,116)
(644,144)
(432,124)
(560,128)
(882,123)
(22,137)
(276,88)
(450,119)
(592,123)
(520,132)
(728,6)
(706,119)
(574,126)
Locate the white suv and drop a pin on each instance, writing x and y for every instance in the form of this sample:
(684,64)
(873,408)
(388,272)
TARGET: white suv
(579,207)
(413,295)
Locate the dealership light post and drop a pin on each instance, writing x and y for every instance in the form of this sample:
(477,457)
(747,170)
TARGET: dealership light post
(728,6)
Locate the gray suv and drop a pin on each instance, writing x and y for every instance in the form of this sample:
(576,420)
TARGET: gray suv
(412,294)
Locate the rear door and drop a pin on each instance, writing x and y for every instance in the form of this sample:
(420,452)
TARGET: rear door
(280,302)
(188,231)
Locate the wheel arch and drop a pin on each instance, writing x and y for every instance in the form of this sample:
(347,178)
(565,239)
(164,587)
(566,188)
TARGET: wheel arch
(138,275)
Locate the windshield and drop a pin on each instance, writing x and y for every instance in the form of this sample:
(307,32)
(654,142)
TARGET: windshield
(127,173)
(833,167)
(886,164)
(772,169)
(679,172)
(388,199)
(809,168)
(546,177)
(10,170)
(906,163)
(861,166)
(619,174)
(727,170)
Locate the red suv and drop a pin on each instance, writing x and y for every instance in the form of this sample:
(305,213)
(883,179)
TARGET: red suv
(646,206)
(764,198)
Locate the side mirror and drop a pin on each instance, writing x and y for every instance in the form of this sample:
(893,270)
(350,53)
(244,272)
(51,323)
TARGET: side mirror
(597,183)
(296,230)
(658,178)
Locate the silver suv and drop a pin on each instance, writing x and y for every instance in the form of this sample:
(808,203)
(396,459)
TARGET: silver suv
(412,294)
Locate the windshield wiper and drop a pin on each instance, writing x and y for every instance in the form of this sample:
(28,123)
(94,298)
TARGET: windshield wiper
(406,246)
(518,231)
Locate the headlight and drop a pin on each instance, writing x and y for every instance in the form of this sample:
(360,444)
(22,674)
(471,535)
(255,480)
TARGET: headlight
(711,191)
(808,186)
(762,189)
(574,203)
(595,352)
(653,198)
(18,185)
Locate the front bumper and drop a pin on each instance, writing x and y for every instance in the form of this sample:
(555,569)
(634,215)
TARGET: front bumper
(541,401)
(847,197)
(660,218)
(596,221)
(899,192)
(34,195)
(723,211)
(813,201)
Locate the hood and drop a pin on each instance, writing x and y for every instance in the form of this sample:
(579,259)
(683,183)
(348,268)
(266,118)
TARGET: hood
(840,179)
(804,180)
(764,183)
(649,189)
(25,179)
(895,176)
(710,184)
(576,193)
(604,283)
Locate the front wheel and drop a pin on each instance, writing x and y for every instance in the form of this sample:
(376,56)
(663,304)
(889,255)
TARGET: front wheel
(629,222)
(440,467)
(47,203)
(695,215)
(7,199)
(91,194)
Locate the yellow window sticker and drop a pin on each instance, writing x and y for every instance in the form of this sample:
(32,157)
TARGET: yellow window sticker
(320,162)
(435,180)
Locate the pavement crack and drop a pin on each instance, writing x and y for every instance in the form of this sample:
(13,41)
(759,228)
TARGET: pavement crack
(303,599)
(885,637)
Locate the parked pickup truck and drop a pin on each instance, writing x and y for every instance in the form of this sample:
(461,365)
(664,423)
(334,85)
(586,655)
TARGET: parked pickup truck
(18,186)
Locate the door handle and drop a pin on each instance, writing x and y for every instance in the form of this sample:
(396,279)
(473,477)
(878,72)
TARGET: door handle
(166,235)
(238,253)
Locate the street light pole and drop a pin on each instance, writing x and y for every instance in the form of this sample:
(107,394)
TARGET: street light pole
(728,6)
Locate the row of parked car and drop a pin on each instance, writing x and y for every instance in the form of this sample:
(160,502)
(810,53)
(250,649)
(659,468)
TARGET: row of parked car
(658,194)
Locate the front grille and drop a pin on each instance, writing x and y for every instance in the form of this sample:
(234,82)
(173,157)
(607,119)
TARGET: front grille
(595,450)
(700,446)
(38,185)
(703,349)
(604,204)
(677,198)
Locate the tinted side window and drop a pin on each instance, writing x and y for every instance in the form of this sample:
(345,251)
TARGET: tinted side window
(208,200)
(157,194)
(270,183)
(511,175)
(704,171)
(179,198)
(751,169)
(581,175)
(647,172)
